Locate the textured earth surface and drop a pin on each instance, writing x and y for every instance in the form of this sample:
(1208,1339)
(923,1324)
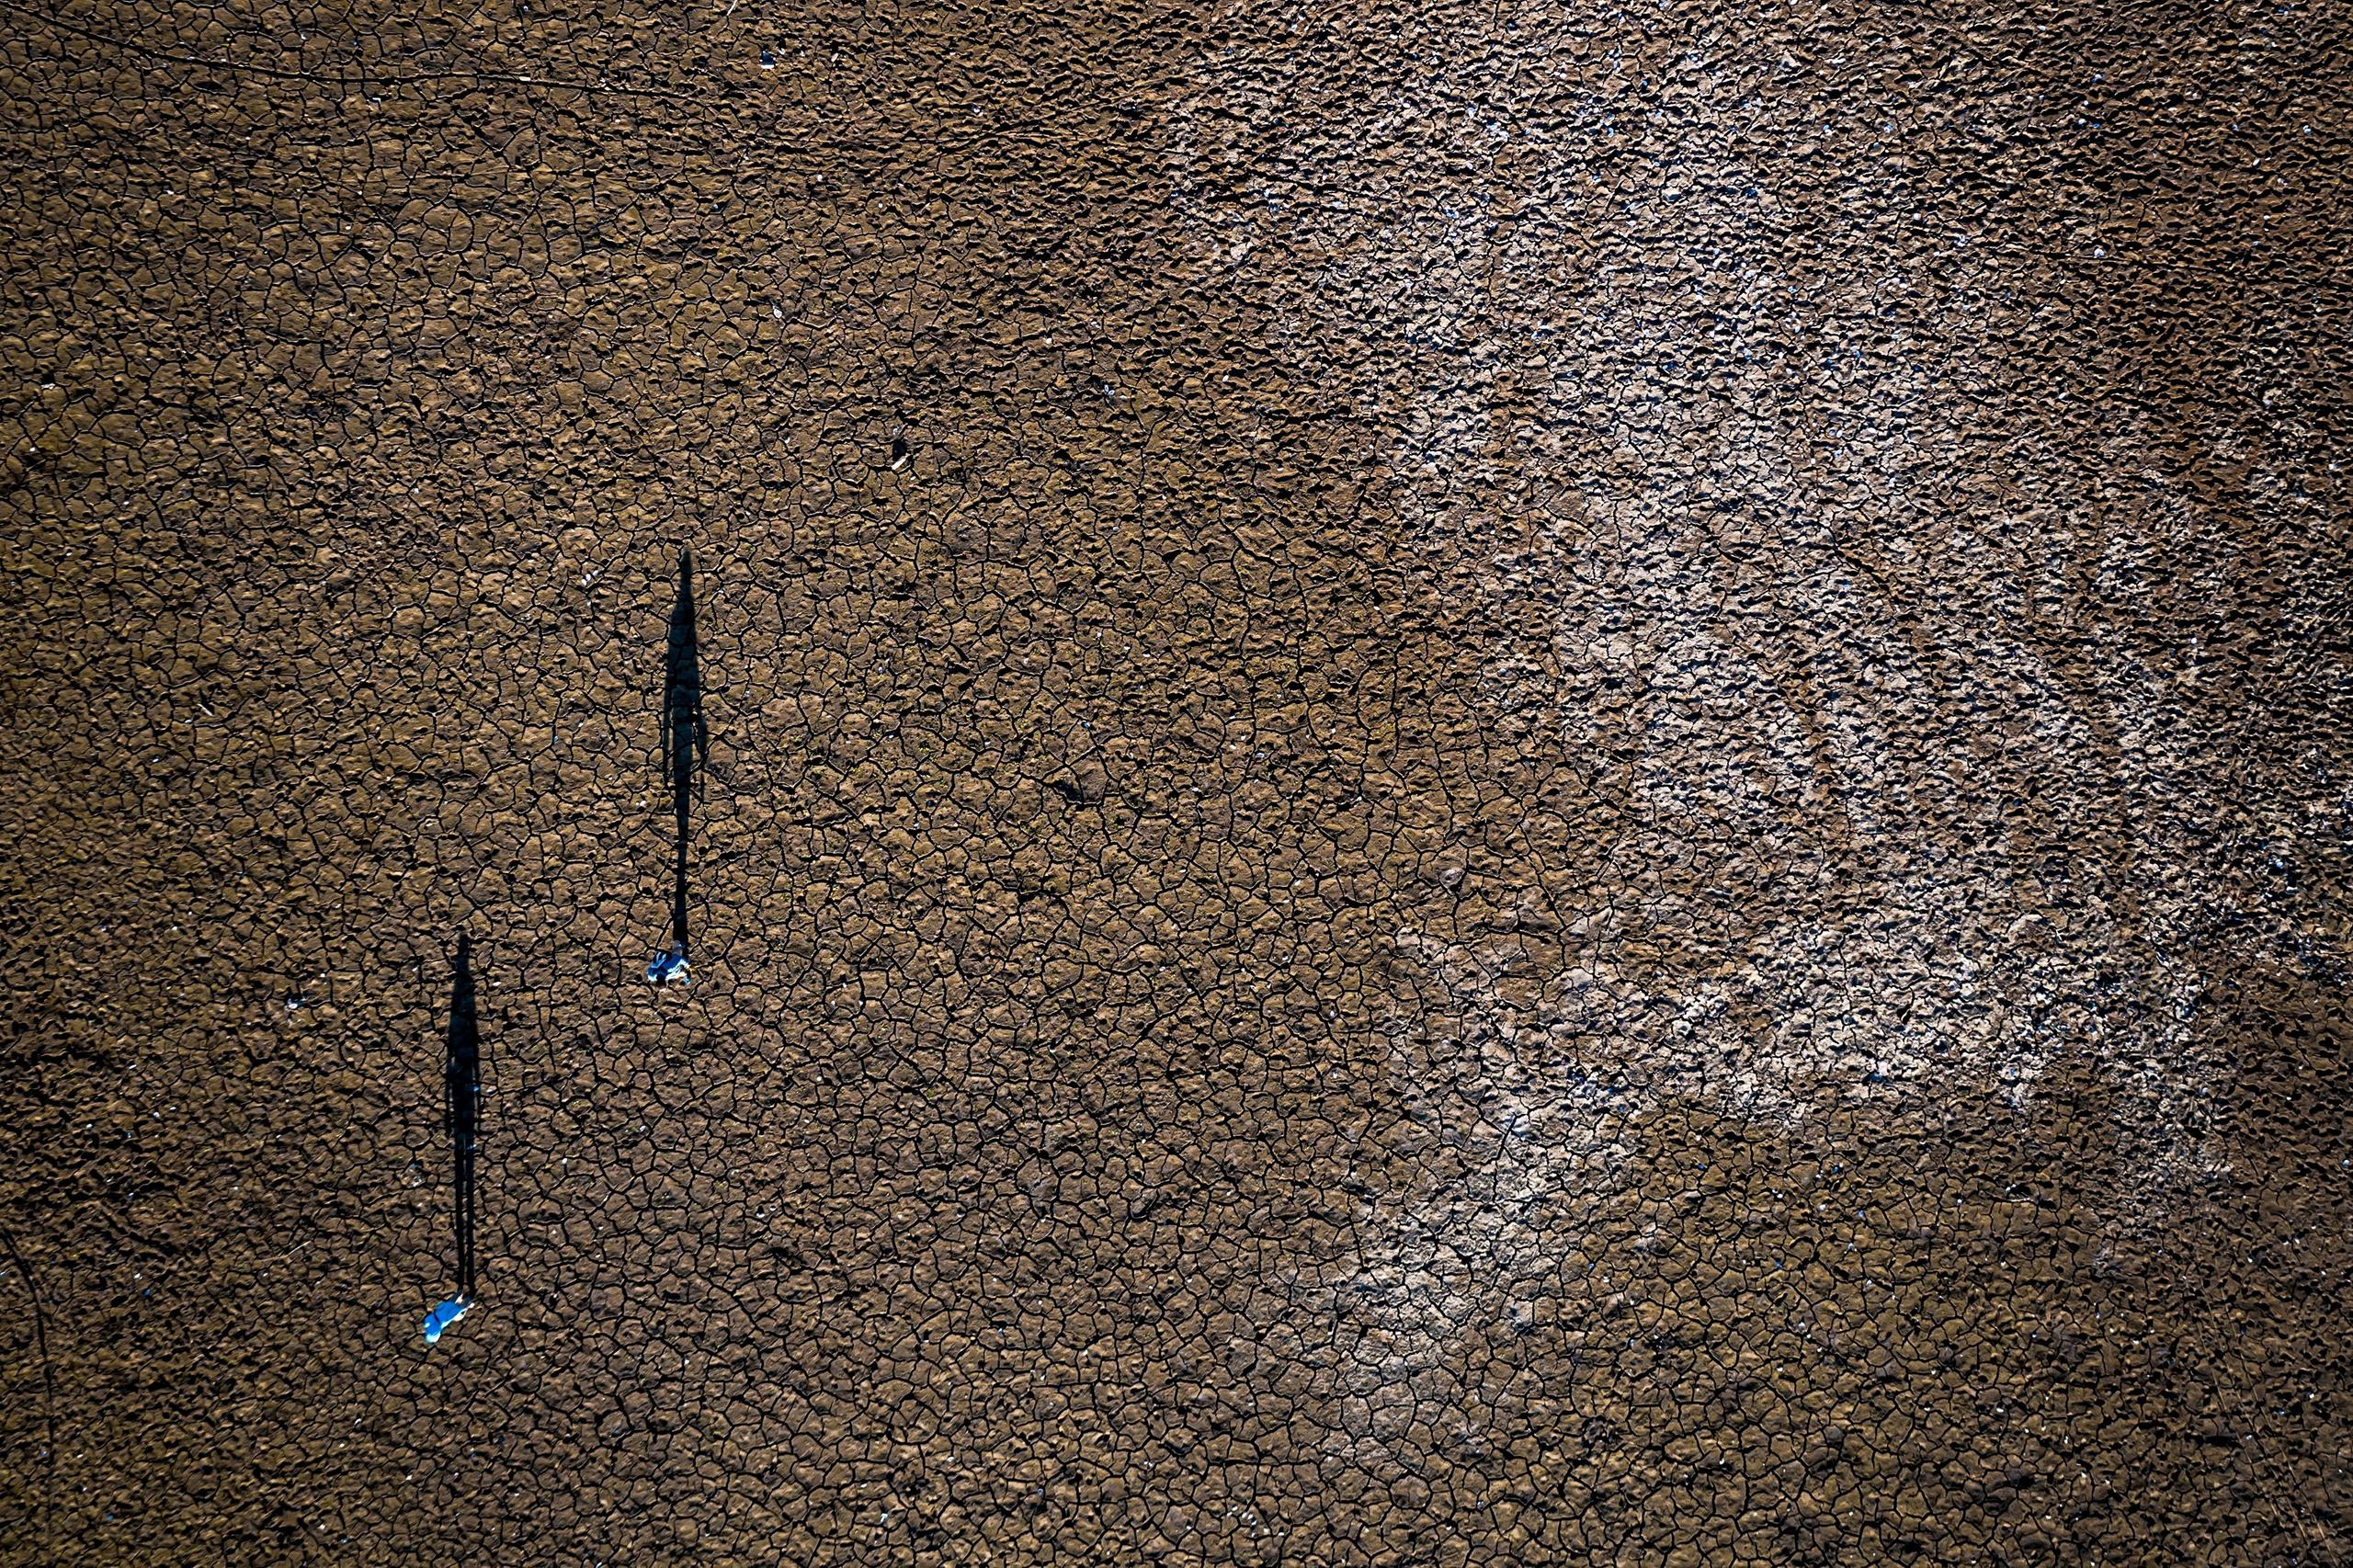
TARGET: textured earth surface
(1489,783)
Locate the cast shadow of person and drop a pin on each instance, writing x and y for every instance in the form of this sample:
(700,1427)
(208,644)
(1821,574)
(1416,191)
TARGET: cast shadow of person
(686,751)
(461,1119)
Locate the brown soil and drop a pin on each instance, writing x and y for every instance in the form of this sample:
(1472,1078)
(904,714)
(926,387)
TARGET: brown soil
(1582,796)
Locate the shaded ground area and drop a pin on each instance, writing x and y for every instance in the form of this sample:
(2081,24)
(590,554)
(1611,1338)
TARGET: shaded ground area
(1485,785)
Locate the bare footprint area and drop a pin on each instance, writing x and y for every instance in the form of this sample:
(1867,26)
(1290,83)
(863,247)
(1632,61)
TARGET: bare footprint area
(1394,786)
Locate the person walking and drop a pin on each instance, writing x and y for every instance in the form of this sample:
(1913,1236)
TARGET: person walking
(686,749)
(461,1120)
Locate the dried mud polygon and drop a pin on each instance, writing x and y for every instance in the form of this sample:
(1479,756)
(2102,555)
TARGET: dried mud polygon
(1487,784)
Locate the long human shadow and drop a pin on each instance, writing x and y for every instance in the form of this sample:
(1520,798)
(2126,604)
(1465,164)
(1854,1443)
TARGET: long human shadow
(461,1099)
(686,751)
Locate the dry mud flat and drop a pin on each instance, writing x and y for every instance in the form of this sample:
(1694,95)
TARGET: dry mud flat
(1489,784)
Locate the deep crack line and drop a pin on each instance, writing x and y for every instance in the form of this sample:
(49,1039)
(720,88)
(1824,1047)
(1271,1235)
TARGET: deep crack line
(47,1376)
